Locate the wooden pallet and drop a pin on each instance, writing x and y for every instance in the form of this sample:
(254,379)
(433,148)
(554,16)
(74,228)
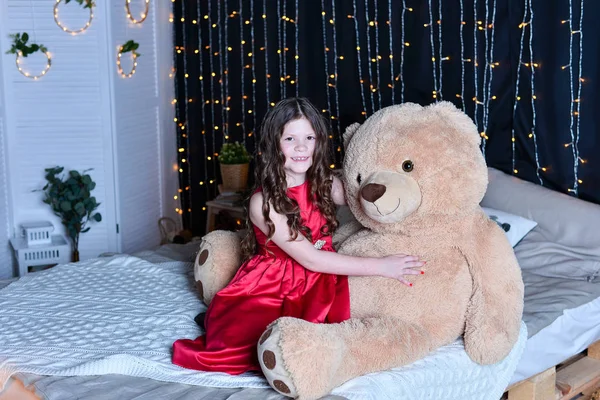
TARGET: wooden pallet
(578,377)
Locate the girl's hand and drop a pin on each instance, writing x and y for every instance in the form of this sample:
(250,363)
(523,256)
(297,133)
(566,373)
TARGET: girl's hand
(398,265)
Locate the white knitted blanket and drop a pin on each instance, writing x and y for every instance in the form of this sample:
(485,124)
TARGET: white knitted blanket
(116,315)
(120,315)
(448,373)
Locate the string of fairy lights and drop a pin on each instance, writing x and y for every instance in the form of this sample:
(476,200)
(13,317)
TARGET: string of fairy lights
(462,55)
(486,75)
(434,60)
(181,125)
(440,48)
(490,64)
(328,76)
(370,59)
(210,47)
(222,68)
(203,102)
(523,25)
(334,83)
(242,86)
(185,131)
(265,50)
(532,65)
(144,13)
(72,31)
(577,159)
(279,67)
(475,62)
(404,44)
(253,64)
(19,53)
(377,54)
(439,58)
(328,21)
(225,49)
(575,100)
(133,63)
(19,42)
(180,138)
(29,75)
(297,47)
(284,48)
(391,42)
(358,57)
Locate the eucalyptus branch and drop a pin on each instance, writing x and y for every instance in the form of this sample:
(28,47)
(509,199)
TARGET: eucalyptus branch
(132,46)
(88,3)
(70,199)
(20,45)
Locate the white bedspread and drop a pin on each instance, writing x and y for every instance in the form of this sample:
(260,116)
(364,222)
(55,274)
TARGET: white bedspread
(448,373)
(120,315)
(117,315)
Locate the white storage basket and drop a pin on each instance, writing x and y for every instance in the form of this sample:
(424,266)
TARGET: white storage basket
(37,232)
(38,247)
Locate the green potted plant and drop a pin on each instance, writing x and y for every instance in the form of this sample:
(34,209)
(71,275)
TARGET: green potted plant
(70,198)
(234,161)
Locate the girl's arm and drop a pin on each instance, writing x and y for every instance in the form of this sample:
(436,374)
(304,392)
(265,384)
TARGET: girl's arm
(394,266)
(337,192)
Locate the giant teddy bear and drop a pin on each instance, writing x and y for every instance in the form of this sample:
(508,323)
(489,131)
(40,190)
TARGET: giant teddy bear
(413,178)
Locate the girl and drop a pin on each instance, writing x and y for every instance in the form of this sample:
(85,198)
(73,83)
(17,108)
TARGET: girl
(291,268)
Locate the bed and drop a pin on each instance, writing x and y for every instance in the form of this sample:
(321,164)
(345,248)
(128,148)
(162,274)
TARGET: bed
(560,259)
(560,262)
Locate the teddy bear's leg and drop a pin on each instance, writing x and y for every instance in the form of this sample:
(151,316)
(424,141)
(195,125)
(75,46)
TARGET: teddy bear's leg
(305,360)
(218,259)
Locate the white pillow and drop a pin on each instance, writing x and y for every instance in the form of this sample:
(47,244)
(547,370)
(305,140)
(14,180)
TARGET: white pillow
(514,226)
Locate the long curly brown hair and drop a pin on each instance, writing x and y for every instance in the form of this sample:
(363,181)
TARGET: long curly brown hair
(271,178)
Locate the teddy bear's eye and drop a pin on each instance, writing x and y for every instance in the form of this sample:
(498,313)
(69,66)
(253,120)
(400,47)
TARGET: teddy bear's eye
(407,166)
(359,179)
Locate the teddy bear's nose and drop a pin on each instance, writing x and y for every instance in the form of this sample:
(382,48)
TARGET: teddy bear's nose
(372,192)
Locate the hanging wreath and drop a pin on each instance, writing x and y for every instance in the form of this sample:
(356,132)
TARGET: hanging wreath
(86,4)
(144,14)
(22,49)
(129,46)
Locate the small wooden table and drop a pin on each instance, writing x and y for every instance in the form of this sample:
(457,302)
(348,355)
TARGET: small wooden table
(215,206)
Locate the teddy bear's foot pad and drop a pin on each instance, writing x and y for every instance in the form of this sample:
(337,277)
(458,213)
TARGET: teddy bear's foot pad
(271,360)
(200,270)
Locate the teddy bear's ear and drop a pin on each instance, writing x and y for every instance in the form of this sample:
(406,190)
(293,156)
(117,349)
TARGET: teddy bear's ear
(461,121)
(349,132)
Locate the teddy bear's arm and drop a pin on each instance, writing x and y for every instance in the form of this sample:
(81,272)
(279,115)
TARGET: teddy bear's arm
(218,259)
(496,306)
(345,231)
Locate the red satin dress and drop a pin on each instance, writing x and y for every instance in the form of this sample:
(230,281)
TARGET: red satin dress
(266,287)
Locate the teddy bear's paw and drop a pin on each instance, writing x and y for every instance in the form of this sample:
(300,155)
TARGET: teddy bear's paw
(219,257)
(271,361)
(202,267)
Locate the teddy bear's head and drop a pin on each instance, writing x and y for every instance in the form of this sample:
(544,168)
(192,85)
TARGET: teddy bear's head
(408,162)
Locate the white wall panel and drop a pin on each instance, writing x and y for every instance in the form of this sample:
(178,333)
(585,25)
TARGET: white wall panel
(6,259)
(62,118)
(136,132)
(82,114)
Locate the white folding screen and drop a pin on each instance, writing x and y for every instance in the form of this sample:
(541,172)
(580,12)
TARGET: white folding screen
(83,114)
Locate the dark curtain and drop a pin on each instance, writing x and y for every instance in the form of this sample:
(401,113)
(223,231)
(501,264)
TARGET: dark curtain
(526,72)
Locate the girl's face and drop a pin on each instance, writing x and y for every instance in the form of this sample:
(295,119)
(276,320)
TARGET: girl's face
(298,145)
